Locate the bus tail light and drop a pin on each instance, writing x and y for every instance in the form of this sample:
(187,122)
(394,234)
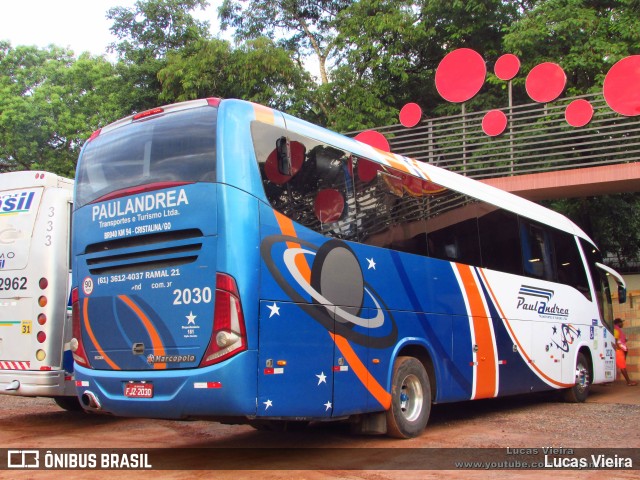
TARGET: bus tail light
(77,347)
(94,135)
(148,113)
(229,335)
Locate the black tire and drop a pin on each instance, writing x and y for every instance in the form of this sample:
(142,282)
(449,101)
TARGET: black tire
(410,399)
(580,391)
(71,404)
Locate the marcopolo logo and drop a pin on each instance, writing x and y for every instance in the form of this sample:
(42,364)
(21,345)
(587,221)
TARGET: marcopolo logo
(151,359)
(538,300)
(13,203)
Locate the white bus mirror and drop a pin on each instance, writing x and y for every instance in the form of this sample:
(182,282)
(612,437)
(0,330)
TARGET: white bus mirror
(622,286)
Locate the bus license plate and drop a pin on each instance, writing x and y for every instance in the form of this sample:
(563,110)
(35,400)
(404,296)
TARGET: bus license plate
(138,390)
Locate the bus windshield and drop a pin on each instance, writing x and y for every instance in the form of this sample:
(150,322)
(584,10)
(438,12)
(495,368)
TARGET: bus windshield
(156,150)
(18,212)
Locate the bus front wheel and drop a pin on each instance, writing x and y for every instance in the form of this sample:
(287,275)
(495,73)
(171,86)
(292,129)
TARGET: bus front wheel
(580,391)
(410,399)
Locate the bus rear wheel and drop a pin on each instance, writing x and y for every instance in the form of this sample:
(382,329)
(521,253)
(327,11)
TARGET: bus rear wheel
(410,399)
(580,391)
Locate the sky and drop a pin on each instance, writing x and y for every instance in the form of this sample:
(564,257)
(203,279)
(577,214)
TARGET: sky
(78,24)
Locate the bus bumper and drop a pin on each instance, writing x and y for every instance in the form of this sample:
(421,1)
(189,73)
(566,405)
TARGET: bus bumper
(28,383)
(227,389)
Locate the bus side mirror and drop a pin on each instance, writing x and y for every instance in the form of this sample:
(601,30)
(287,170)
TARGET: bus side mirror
(284,156)
(622,294)
(622,286)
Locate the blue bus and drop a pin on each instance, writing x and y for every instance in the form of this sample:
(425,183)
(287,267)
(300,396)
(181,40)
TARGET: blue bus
(236,263)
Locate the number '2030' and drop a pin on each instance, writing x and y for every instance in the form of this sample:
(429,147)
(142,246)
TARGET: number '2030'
(188,296)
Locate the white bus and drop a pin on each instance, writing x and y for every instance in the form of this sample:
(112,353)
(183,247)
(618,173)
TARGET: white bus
(35,277)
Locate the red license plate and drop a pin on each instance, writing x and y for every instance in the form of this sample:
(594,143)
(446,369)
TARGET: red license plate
(138,390)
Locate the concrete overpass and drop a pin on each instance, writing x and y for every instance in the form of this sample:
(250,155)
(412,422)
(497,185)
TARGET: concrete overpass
(581,182)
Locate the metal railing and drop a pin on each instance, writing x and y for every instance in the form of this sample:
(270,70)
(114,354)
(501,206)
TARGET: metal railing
(537,139)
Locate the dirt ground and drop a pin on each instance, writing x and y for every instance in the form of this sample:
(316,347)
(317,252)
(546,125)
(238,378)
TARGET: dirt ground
(609,419)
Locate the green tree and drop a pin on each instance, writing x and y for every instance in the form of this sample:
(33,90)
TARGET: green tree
(146,33)
(585,37)
(391,49)
(50,102)
(258,71)
(302,26)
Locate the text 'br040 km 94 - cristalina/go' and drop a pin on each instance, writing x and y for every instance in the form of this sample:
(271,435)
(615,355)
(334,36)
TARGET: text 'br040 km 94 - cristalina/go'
(237,263)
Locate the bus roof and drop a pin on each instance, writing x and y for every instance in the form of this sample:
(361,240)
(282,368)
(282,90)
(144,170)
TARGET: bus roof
(445,178)
(33,178)
(441,176)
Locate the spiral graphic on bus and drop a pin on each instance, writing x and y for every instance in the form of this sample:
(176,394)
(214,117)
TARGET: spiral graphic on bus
(336,287)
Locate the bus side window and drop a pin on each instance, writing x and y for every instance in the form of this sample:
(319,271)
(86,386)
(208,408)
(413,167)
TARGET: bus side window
(327,179)
(452,228)
(600,283)
(537,253)
(317,192)
(569,266)
(275,184)
(499,239)
(391,208)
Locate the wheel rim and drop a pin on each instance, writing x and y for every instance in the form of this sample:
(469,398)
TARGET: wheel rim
(582,377)
(411,398)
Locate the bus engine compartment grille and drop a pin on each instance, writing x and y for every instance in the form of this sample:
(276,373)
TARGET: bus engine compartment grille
(144,252)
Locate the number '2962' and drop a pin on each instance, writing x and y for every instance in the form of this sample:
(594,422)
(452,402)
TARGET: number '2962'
(13,283)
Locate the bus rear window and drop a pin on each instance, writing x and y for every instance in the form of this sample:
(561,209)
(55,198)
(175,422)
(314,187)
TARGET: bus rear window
(175,147)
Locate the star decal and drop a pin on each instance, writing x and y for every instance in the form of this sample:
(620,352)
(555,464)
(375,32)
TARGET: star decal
(268,404)
(327,405)
(372,264)
(322,378)
(275,309)
(555,329)
(191,318)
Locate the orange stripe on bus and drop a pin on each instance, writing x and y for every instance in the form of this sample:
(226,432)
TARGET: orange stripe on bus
(521,349)
(156,341)
(87,327)
(485,356)
(264,114)
(379,393)
(286,226)
(398,164)
(370,383)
